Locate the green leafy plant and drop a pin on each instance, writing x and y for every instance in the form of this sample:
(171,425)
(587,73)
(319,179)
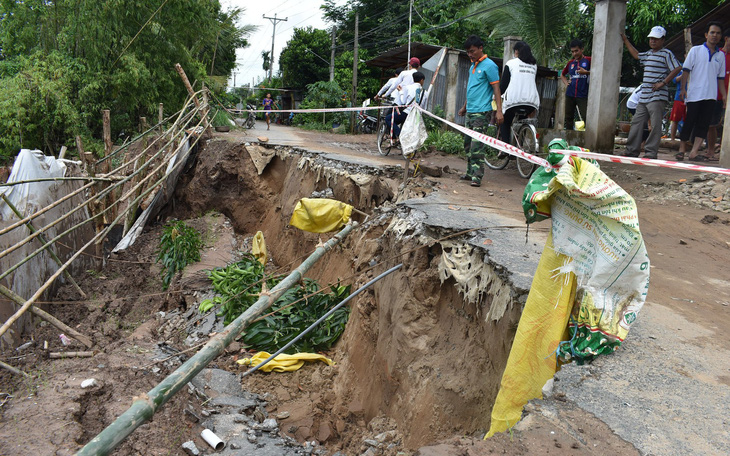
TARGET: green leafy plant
(238,287)
(221,119)
(179,246)
(445,141)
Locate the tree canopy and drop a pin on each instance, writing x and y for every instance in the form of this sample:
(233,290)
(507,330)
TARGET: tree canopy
(61,62)
(304,60)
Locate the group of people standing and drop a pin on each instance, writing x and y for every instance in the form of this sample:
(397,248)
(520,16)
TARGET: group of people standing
(702,91)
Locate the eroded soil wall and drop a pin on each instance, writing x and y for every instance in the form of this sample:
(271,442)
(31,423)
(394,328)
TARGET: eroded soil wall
(413,350)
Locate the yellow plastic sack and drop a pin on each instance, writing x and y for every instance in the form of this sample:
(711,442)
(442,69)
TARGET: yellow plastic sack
(543,326)
(258,247)
(590,284)
(320,215)
(580,125)
(282,362)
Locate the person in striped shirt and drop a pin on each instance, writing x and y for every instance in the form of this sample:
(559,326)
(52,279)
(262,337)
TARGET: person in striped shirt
(660,67)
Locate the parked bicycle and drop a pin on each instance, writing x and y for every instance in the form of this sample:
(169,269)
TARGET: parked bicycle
(524,136)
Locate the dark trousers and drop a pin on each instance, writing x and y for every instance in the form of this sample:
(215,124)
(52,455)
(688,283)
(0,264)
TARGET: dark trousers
(509,116)
(397,120)
(570,104)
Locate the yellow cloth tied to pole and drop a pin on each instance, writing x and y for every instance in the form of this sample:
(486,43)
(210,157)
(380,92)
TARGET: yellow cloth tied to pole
(258,247)
(320,215)
(283,362)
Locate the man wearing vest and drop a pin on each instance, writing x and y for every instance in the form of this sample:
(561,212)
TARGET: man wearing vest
(660,67)
(481,90)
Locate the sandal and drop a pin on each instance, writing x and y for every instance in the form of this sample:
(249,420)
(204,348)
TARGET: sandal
(714,158)
(679,156)
(698,158)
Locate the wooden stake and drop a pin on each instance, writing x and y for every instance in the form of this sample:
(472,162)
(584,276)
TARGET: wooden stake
(61,355)
(42,239)
(10,294)
(106,165)
(15,371)
(160,117)
(186,82)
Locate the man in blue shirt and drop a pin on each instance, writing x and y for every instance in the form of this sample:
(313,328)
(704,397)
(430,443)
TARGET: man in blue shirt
(483,87)
(576,93)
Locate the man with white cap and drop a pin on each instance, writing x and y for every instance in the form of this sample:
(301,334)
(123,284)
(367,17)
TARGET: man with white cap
(660,67)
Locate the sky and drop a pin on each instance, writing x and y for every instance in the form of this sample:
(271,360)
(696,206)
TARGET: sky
(299,13)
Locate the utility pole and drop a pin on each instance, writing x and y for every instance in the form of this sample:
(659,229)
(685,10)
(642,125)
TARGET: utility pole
(332,55)
(273,20)
(410,22)
(354,72)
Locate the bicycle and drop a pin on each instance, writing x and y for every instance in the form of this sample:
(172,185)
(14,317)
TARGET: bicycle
(385,142)
(524,136)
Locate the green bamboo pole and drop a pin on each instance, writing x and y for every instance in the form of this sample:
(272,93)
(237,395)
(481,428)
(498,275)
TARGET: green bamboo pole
(143,408)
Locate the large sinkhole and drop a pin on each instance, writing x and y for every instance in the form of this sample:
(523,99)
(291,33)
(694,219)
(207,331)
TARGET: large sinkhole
(424,348)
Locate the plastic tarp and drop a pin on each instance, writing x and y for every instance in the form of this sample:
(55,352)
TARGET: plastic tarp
(413,134)
(283,362)
(29,198)
(162,196)
(589,287)
(320,215)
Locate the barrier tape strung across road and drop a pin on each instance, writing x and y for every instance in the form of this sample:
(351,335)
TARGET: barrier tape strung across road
(492,142)
(645,161)
(504,147)
(300,111)
(512,150)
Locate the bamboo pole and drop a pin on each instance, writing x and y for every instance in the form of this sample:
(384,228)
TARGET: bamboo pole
(54,276)
(186,82)
(145,407)
(15,371)
(105,165)
(129,220)
(10,294)
(76,354)
(43,240)
(63,179)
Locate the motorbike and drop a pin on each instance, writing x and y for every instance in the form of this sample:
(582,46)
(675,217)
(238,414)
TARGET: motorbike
(251,119)
(365,122)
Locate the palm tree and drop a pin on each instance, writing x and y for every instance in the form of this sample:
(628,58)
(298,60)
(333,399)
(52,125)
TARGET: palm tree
(541,23)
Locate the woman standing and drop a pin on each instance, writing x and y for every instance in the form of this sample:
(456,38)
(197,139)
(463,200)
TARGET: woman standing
(519,88)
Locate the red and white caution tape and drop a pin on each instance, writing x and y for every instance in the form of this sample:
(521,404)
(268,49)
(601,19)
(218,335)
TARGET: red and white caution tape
(298,111)
(644,161)
(493,142)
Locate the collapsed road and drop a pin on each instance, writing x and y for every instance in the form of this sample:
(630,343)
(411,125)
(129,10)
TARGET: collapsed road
(422,356)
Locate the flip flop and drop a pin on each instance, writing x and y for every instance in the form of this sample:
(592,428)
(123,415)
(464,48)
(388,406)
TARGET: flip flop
(679,156)
(714,158)
(698,158)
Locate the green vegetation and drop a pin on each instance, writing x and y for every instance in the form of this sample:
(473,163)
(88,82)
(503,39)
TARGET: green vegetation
(62,62)
(179,246)
(323,94)
(238,287)
(445,141)
(221,119)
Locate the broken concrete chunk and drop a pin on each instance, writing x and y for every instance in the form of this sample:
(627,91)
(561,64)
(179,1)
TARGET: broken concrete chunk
(190,448)
(269,425)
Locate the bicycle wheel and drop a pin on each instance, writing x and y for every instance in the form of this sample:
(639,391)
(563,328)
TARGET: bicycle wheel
(384,144)
(494,158)
(527,140)
(250,122)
